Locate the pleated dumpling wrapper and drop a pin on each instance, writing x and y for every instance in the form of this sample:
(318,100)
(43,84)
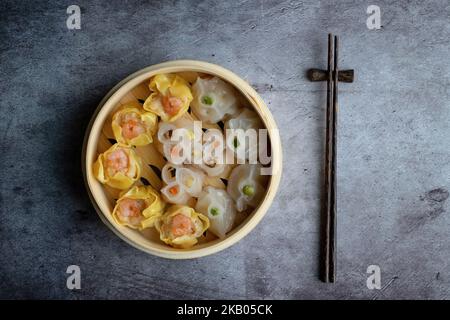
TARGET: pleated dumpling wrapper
(181,226)
(247,186)
(170,97)
(134,127)
(118,167)
(180,140)
(138,208)
(242,134)
(213,100)
(218,206)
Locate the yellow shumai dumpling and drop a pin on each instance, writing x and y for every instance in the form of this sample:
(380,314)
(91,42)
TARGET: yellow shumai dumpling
(180,226)
(170,96)
(138,208)
(134,127)
(118,167)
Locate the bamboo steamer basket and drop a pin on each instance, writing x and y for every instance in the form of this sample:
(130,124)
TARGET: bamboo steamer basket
(130,91)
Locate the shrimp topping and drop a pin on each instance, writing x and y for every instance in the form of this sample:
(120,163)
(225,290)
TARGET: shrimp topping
(130,210)
(171,105)
(117,161)
(181,225)
(131,126)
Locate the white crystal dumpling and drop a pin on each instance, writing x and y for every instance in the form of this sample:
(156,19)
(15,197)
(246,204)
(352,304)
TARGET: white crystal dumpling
(213,100)
(242,134)
(245,186)
(218,206)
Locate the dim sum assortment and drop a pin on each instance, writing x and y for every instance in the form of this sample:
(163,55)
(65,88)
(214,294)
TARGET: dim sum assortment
(200,192)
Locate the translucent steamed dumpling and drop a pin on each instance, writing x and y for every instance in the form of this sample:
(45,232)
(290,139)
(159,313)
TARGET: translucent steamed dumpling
(247,186)
(191,180)
(182,183)
(179,140)
(245,120)
(218,206)
(169,171)
(213,155)
(238,128)
(173,192)
(187,128)
(213,99)
(213,168)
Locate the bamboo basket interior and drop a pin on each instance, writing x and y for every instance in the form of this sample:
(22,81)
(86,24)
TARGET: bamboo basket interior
(99,137)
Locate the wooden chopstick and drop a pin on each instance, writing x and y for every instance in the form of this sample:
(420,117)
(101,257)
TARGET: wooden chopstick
(325,243)
(329,240)
(333,165)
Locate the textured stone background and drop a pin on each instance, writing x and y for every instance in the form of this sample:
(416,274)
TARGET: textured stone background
(393,155)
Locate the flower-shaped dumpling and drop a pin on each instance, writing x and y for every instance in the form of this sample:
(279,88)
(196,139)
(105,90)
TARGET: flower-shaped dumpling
(247,186)
(181,226)
(180,140)
(118,167)
(218,206)
(134,127)
(213,99)
(242,128)
(170,96)
(138,208)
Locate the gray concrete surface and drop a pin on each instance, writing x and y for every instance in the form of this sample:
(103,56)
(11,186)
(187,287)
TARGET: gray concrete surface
(393,155)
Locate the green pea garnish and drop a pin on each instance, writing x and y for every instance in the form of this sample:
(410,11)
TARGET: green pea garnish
(214,211)
(207,100)
(248,190)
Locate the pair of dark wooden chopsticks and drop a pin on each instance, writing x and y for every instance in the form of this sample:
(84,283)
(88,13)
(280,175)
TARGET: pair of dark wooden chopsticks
(332,75)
